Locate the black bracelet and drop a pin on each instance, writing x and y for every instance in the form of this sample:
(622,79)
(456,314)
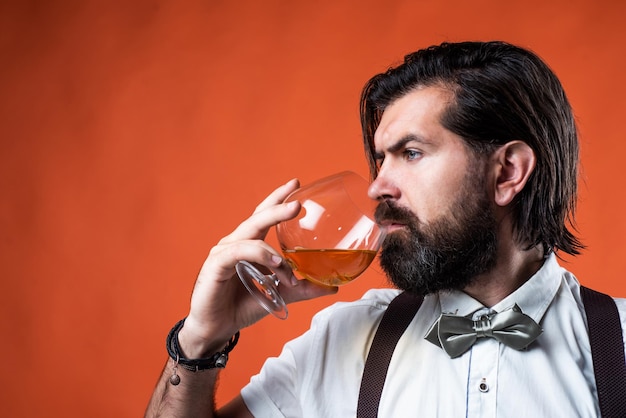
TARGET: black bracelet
(217,360)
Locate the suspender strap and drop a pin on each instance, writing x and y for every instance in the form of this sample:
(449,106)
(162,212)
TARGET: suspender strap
(607,350)
(396,319)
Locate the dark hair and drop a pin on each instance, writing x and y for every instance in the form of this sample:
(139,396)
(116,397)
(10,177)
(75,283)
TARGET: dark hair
(501,93)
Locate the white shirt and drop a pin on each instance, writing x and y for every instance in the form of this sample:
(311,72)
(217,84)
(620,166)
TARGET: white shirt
(318,374)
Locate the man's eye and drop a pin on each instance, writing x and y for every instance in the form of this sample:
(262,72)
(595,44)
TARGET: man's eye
(411,154)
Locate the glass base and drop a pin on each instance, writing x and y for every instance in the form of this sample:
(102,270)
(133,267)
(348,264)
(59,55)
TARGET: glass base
(264,288)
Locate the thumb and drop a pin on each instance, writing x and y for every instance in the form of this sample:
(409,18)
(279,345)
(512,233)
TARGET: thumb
(304,290)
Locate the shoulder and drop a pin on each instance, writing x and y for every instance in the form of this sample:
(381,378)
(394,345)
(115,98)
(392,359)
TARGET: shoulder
(354,319)
(377,298)
(621,308)
(620,304)
(373,303)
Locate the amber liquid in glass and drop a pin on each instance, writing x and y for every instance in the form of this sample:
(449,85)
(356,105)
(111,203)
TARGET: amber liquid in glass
(330,267)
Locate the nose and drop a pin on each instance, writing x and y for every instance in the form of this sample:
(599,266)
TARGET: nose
(383,188)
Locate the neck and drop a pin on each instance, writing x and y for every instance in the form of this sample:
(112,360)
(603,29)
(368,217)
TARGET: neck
(514,267)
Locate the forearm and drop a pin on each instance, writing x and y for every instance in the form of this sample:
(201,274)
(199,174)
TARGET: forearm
(186,387)
(192,397)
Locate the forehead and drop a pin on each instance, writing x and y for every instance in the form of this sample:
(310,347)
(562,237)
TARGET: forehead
(417,113)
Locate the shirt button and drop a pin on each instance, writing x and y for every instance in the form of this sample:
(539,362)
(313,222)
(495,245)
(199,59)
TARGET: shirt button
(483,386)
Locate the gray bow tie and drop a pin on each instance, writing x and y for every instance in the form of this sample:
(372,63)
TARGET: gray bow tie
(456,334)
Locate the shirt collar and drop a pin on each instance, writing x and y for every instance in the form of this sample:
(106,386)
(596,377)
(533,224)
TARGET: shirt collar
(533,297)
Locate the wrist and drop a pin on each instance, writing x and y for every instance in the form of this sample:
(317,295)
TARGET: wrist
(217,360)
(198,339)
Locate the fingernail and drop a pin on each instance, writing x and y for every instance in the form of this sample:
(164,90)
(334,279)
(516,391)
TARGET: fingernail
(294,280)
(277,260)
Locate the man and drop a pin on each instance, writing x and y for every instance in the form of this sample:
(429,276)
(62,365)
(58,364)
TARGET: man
(474,154)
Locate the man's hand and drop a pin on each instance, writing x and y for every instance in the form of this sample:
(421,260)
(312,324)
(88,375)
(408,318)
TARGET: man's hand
(220,304)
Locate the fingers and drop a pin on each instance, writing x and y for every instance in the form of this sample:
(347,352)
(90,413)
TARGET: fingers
(219,302)
(279,195)
(224,256)
(293,289)
(305,290)
(267,214)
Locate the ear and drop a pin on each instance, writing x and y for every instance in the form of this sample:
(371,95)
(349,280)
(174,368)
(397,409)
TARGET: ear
(513,164)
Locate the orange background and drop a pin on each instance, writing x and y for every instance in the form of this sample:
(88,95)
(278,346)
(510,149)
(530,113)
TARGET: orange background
(136,133)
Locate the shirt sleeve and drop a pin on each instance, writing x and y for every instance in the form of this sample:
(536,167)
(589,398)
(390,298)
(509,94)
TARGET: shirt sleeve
(273,392)
(283,382)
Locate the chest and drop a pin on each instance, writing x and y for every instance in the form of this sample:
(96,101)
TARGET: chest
(552,378)
(491,380)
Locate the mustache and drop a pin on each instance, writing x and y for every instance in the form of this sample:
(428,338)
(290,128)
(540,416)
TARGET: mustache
(388,212)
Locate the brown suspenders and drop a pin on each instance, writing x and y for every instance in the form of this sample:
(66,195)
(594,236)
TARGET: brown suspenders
(396,319)
(605,336)
(607,351)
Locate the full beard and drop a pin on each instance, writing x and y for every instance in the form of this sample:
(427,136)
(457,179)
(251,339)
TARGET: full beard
(445,254)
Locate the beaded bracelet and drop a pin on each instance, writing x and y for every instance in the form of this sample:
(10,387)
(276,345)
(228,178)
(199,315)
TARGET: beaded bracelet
(217,360)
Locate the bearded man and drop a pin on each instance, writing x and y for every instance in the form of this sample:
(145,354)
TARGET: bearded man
(473,152)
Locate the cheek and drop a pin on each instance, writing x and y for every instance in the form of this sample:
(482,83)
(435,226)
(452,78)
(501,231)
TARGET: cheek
(434,195)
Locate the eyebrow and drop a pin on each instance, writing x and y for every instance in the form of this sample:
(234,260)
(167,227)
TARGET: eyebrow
(399,144)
